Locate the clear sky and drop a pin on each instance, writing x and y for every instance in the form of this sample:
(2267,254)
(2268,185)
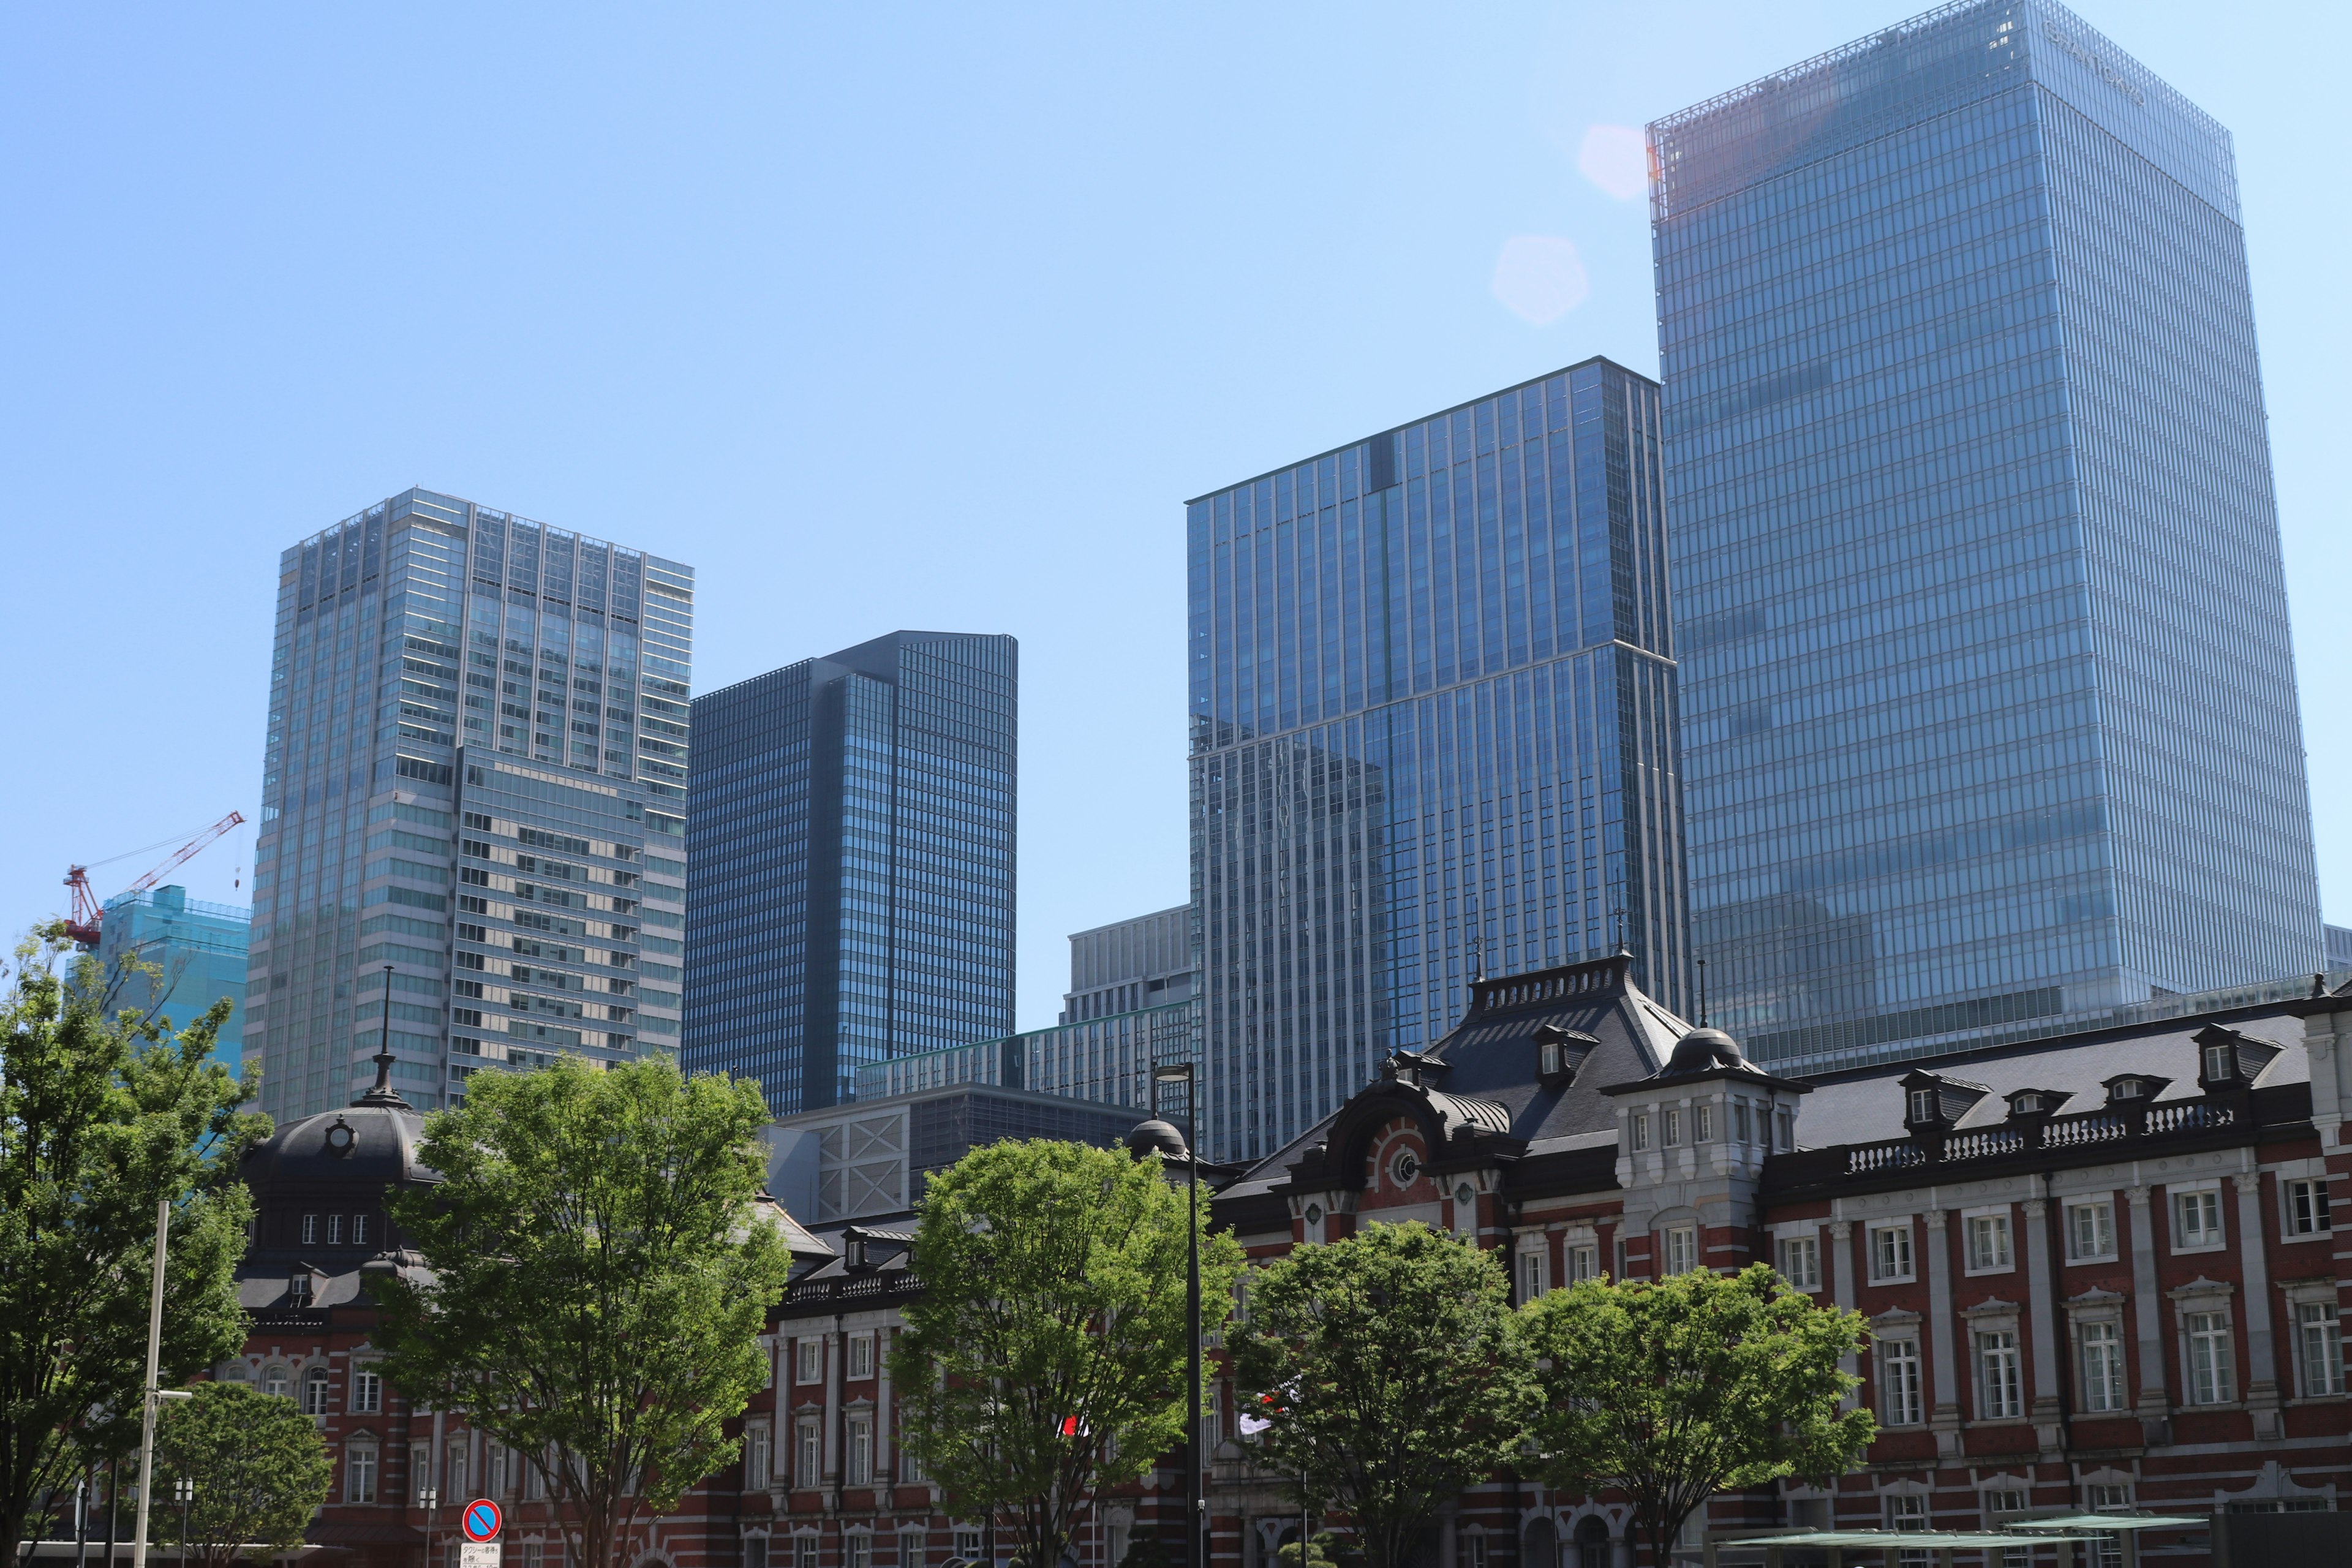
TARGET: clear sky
(906,316)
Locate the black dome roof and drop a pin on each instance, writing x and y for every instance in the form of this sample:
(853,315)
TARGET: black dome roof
(1705,1050)
(374,1143)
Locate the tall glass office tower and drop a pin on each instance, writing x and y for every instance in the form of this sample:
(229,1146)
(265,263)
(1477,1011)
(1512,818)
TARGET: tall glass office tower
(853,863)
(472,804)
(1433,733)
(1991,713)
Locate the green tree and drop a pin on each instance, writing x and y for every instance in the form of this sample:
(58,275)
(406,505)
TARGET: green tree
(102,1116)
(1677,1389)
(1046,1355)
(1396,1373)
(260,1465)
(600,1271)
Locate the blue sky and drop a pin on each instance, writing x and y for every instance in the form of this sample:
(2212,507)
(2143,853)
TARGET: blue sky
(879,317)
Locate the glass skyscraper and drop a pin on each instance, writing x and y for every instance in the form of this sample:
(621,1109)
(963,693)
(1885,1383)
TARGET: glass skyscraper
(1990,708)
(197,951)
(475,774)
(1433,723)
(853,833)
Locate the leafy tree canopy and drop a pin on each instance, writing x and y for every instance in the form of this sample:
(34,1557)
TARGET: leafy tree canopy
(103,1115)
(1396,1373)
(1679,1388)
(1046,1356)
(260,1465)
(600,1272)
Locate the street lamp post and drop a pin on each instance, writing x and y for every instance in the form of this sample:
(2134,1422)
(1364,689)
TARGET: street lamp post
(1196,1502)
(428,1497)
(184,1491)
(154,1395)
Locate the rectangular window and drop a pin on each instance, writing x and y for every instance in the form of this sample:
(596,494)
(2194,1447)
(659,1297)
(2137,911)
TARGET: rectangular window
(1788,1139)
(811,1363)
(358,1473)
(2320,1335)
(910,1549)
(1641,1132)
(1898,1383)
(861,1452)
(310,1230)
(1702,1132)
(1473,1553)
(808,1464)
(861,1549)
(1740,1130)
(2001,1381)
(805,1552)
(1584,1262)
(1213,1428)
(1801,1261)
(334,1230)
(1681,1248)
(359,1230)
(2000,1507)
(1890,1252)
(367,1390)
(861,1355)
(755,1458)
(1674,1129)
(1531,1276)
(2197,1219)
(2103,1366)
(2306,1207)
(454,1459)
(2212,1364)
(1906,1511)
(968,1544)
(1621,1259)
(1988,1242)
(755,1551)
(2091,1231)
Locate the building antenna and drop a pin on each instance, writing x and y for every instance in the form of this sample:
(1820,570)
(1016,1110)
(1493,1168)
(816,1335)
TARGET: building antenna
(1477,958)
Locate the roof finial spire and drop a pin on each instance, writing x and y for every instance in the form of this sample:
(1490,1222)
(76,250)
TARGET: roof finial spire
(1702,993)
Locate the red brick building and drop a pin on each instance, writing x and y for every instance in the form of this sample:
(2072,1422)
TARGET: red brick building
(2100,1272)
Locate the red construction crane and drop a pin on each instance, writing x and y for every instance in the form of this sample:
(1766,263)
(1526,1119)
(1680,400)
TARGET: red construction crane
(87,910)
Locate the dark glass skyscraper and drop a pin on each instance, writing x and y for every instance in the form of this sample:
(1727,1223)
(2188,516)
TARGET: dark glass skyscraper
(1990,707)
(856,904)
(1433,731)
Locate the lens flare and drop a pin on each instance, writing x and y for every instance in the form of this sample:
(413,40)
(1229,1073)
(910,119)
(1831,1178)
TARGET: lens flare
(1539,277)
(1616,159)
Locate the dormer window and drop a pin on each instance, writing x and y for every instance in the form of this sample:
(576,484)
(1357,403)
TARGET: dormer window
(853,1250)
(1925,1105)
(2129,1089)
(2221,1064)
(2027,1104)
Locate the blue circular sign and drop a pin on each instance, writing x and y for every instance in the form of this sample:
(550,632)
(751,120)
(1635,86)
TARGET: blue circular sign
(482,1520)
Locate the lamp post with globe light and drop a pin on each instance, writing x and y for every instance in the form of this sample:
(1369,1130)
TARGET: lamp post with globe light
(1159,1137)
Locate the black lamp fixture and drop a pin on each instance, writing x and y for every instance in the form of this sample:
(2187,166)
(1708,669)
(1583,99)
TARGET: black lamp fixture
(1160,1137)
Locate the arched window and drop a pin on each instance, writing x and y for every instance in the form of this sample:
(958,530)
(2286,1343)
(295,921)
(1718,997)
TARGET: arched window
(314,1391)
(1593,1543)
(1541,1547)
(278,1382)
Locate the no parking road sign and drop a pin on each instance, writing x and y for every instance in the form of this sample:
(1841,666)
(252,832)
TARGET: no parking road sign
(482,1520)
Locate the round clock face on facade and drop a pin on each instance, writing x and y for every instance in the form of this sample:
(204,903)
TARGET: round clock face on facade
(1405,1167)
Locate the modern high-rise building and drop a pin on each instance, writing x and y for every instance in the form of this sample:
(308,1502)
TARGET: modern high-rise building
(474,789)
(1142,962)
(853,828)
(1989,710)
(195,953)
(1434,736)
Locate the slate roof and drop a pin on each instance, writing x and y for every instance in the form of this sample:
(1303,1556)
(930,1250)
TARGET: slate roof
(1489,1077)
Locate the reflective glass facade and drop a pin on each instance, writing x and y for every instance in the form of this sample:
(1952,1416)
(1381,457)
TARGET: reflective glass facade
(430,651)
(1990,710)
(853,830)
(1434,730)
(198,952)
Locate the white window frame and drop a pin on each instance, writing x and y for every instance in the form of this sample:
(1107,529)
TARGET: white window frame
(1801,1261)
(1641,1132)
(861,1357)
(2100,1340)
(2208,1353)
(1901,1401)
(2317,1334)
(2000,1374)
(808,1450)
(1990,1225)
(1894,1260)
(1702,1123)
(2298,1218)
(756,1461)
(318,1384)
(1679,1245)
(2100,1212)
(857,1464)
(857,1548)
(1906,1511)
(808,1360)
(363,1478)
(1741,1124)
(367,1389)
(1672,1136)
(1583,1260)
(1534,1272)
(2199,1196)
